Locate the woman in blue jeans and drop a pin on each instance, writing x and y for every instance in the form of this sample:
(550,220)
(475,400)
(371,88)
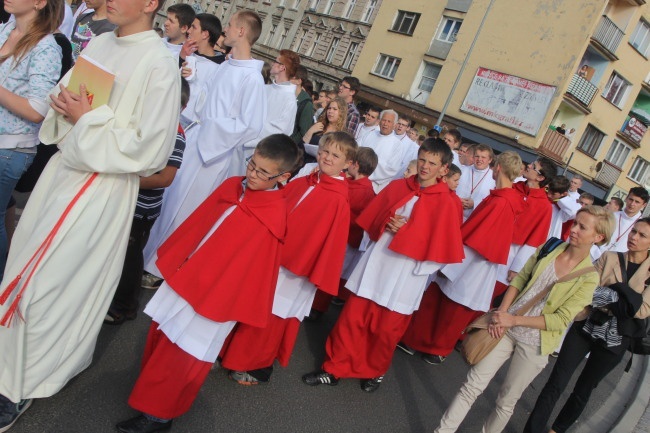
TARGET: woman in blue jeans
(30,63)
(614,318)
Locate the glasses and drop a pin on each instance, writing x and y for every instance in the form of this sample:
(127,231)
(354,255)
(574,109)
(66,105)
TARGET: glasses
(262,175)
(532,165)
(344,86)
(279,63)
(403,124)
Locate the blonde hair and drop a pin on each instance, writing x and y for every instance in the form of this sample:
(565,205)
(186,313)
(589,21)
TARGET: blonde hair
(343,115)
(510,163)
(605,221)
(344,141)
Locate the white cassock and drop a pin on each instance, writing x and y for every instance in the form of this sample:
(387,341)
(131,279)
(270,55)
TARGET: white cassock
(564,209)
(622,226)
(363,130)
(175,49)
(281,110)
(66,300)
(475,184)
(389,154)
(200,81)
(409,152)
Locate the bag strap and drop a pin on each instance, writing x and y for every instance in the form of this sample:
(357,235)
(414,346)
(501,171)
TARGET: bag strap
(621,260)
(575,274)
(549,245)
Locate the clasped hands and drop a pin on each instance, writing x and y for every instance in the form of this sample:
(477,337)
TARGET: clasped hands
(499,321)
(71,105)
(395,223)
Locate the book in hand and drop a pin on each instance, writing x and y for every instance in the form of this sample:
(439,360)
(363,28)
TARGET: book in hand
(98,80)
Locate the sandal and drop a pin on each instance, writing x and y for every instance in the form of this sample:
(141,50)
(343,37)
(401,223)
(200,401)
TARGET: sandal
(114,317)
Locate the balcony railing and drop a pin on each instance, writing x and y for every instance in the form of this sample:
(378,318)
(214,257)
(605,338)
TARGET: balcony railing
(608,35)
(554,145)
(608,174)
(582,90)
(458,5)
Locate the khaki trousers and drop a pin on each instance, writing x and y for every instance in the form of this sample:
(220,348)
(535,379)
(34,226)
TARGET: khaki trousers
(526,364)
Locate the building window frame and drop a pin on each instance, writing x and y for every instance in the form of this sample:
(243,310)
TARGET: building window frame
(386,66)
(429,79)
(370,10)
(448,30)
(271,35)
(640,37)
(329,6)
(332,50)
(591,141)
(405,22)
(301,40)
(283,37)
(616,89)
(312,49)
(639,170)
(353,49)
(618,153)
(349,8)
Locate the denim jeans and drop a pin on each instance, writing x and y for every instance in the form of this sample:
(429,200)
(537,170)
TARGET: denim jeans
(12,166)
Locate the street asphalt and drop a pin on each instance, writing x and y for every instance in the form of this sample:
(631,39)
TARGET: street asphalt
(411,399)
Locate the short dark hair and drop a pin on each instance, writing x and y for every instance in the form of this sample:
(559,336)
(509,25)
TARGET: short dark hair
(453,169)
(559,184)
(458,137)
(374,108)
(185,92)
(301,74)
(432,133)
(618,202)
(367,160)
(437,147)
(184,13)
(587,196)
(281,149)
(548,169)
(253,22)
(308,86)
(355,84)
(642,193)
(212,25)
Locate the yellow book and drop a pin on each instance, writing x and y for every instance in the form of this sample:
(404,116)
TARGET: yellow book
(98,80)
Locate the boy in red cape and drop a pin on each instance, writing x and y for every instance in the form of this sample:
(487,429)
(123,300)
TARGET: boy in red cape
(318,222)
(387,284)
(361,193)
(463,290)
(208,285)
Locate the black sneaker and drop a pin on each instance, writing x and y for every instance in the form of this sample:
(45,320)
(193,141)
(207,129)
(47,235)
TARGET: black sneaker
(433,359)
(10,412)
(142,424)
(371,385)
(404,348)
(320,378)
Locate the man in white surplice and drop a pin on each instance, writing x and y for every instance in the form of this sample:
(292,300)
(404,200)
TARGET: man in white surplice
(387,147)
(88,191)
(233,114)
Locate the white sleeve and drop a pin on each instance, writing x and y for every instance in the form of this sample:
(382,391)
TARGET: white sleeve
(521,257)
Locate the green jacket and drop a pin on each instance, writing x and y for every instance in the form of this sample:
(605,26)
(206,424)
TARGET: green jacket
(304,119)
(564,301)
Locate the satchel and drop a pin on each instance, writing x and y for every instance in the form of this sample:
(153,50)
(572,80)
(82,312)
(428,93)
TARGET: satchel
(478,342)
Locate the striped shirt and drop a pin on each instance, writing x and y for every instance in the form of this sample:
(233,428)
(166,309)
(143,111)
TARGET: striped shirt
(150,200)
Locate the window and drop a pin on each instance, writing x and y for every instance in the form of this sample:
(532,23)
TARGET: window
(281,3)
(639,170)
(349,8)
(301,41)
(310,51)
(269,37)
(283,37)
(314,4)
(429,77)
(616,89)
(370,9)
(590,141)
(329,6)
(349,57)
(295,4)
(640,38)
(618,153)
(405,22)
(332,50)
(386,66)
(449,29)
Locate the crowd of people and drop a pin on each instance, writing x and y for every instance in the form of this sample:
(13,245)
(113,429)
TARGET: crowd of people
(204,164)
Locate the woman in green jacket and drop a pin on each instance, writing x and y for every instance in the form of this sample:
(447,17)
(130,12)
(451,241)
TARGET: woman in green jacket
(528,339)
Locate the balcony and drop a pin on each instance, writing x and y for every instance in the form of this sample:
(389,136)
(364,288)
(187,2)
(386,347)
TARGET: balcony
(554,145)
(439,49)
(607,38)
(458,5)
(608,174)
(581,93)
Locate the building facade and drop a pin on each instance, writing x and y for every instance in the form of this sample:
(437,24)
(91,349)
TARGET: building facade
(508,73)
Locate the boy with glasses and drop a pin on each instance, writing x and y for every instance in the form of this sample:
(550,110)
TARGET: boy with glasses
(208,285)
(348,88)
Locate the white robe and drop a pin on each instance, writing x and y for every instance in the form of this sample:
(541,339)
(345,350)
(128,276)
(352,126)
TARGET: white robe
(175,49)
(232,115)
(409,152)
(363,130)
(389,153)
(66,301)
(280,116)
(474,184)
(622,227)
(200,81)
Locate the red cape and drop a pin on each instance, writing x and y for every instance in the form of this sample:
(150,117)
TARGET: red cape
(490,227)
(361,193)
(318,230)
(217,279)
(431,233)
(535,221)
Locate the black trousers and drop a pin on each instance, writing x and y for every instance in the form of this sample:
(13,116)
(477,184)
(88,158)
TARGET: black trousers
(601,361)
(127,296)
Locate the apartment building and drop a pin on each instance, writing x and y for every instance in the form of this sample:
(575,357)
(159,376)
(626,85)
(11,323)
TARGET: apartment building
(507,73)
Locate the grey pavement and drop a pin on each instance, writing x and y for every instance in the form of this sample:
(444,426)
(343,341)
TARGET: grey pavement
(412,398)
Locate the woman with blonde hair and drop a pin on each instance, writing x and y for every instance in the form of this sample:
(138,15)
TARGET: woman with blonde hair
(332,120)
(548,293)
(30,64)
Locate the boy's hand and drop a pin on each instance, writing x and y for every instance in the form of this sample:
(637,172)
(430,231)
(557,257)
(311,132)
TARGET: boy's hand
(395,223)
(468,203)
(185,71)
(189,47)
(71,105)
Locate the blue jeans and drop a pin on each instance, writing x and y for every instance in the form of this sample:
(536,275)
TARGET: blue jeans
(12,166)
